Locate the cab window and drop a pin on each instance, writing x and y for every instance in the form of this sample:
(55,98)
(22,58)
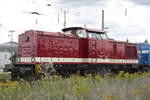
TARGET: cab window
(94,35)
(68,32)
(104,36)
(81,33)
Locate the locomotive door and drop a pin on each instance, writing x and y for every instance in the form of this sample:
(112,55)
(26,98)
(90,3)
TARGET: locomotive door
(114,50)
(83,48)
(101,49)
(92,48)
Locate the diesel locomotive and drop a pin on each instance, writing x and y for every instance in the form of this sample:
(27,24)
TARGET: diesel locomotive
(144,55)
(75,49)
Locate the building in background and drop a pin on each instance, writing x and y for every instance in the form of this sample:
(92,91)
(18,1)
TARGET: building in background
(6,49)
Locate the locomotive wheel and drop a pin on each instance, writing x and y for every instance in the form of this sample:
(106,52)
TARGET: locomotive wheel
(47,70)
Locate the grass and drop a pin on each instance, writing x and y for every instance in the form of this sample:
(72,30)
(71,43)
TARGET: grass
(5,76)
(121,87)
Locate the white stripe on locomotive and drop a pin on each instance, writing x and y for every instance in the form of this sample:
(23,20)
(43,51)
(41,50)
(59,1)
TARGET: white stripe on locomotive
(77,60)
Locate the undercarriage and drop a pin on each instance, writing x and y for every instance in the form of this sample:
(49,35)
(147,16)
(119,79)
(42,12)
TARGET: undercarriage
(37,71)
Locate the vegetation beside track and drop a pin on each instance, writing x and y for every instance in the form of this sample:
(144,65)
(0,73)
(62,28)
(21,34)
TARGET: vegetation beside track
(5,76)
(120,87)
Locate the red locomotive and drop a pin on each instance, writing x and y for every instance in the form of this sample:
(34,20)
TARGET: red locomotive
(75,49)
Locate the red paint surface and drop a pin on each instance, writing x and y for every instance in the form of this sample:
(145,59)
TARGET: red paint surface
(56,44)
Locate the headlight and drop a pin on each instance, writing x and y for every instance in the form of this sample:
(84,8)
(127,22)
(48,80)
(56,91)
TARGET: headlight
(33,59)
(19,59)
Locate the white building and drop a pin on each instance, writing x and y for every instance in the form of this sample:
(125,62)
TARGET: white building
(5,52)
(4,58)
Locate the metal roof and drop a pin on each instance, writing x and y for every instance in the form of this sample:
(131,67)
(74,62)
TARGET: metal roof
(88,29)
(8,47)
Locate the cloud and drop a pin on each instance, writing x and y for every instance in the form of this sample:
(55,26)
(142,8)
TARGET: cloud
(132,26)
(123,32)
(78,12)
(141,2)
(79,3)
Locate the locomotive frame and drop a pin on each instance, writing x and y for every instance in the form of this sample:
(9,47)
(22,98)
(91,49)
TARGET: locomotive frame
(76,49)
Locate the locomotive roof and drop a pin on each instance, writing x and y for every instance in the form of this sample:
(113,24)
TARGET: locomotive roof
(87,29)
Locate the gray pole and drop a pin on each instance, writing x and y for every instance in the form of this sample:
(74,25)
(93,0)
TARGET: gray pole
(102,20)
(11,31)
(58,18)
(64,19)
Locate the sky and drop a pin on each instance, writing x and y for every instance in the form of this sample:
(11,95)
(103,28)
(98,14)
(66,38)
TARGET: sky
(124,19)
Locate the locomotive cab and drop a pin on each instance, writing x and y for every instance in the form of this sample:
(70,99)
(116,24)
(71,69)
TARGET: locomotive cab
(85,33)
